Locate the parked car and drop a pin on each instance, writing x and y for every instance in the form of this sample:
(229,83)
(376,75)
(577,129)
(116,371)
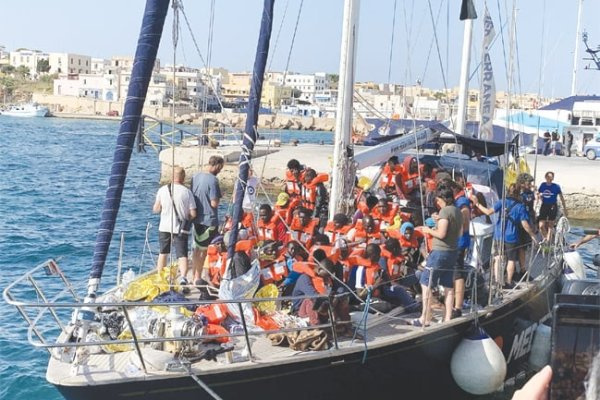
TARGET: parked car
(592,148)
(113,113)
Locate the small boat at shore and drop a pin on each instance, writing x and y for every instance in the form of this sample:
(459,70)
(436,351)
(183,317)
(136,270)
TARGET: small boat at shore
(26,110)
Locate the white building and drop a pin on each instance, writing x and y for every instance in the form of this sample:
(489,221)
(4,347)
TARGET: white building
(101,87)
(69,63)
(125,63)
(4,55)
(27,58)
(307,84)
(159,90)
(99,65)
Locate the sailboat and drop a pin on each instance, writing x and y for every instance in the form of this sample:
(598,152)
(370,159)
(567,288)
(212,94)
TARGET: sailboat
(168,356)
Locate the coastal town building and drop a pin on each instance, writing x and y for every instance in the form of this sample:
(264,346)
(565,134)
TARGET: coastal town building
(99,65)
(94,86)
(4,55)
(125,63)
(69,63)
(27,58)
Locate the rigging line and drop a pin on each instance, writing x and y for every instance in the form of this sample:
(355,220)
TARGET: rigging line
(539,93)
(392,43)
(437,45)
(502,35)
(272,53)
(287,63)
(409,49)
(447,35)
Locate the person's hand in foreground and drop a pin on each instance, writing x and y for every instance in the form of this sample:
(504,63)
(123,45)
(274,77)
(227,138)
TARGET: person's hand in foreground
(537,387)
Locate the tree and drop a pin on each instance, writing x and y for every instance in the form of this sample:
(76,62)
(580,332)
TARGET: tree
(22,71)
(43,65)
(7,69)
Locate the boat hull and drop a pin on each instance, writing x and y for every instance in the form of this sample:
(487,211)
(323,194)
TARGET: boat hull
(419,366)
(40,112)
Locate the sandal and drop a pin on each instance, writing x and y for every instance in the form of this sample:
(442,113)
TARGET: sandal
(417,322)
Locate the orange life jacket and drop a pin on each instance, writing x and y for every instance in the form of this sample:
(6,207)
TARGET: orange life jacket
(247,223)
(214,329)
(308,268)
(268,231)
(386,219)
(245,245)
(387,180)
(214,313)
(394,264)
(217,263)
(332,253)
(286,213)
(334,234)
(293,186)
(410,182)
(371,269)
(361,235)
(428,238)
(303,234)
(308,192)
(274,271)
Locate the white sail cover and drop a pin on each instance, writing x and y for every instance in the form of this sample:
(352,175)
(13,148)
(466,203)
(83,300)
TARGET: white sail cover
(487,102)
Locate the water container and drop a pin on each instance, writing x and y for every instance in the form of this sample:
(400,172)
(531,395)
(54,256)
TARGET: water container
(128,277)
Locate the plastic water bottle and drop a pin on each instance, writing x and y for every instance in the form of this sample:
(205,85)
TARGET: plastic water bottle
(128,277)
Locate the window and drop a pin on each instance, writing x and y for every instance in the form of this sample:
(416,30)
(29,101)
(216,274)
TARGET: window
(79,61)
(71,60)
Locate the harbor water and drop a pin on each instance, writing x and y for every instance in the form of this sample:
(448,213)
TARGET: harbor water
(55,174)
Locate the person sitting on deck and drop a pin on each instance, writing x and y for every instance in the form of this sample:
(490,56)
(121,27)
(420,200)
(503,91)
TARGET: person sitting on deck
(285,206)
(270,226)
(316,279)
(304,227)
(391,170)
(410,241)
(293,253)
(314,194)
(338,228)
(321,242)
(365,207)
(294,176)
(216,258)
(384,213)
(273,263)
(408,180)
(395,278)
(365,231)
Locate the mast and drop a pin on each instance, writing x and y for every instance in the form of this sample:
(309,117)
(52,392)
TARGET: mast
(145,56)
(342,152)
(576,55)
(260,62)
(467,14)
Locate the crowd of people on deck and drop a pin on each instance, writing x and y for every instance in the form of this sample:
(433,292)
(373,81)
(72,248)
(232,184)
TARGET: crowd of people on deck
(408,236)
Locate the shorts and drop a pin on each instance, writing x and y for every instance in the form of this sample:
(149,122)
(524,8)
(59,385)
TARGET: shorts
(460,271)
(440,265)
(180,242)
(511,250)
(203,235)
(548,212)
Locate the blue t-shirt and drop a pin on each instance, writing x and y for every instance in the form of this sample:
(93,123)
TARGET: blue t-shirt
(528,199)
(549,192)
(516,214)
(205,187)
(464,241)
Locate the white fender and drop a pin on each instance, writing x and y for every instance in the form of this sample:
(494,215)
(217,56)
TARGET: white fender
(478,365)
(574,261)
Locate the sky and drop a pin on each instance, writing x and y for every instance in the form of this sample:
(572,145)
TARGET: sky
(546,35)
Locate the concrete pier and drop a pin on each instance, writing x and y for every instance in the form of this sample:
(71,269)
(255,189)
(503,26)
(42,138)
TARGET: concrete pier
(578,177)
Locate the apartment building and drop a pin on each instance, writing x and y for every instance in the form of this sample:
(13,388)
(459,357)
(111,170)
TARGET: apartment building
(94,86)
(125,64)
(27,58)
(99,65)
(69,63)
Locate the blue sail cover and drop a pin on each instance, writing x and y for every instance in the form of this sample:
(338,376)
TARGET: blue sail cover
(260,62)
(145,56)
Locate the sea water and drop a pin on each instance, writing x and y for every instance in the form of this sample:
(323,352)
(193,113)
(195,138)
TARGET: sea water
(54,176)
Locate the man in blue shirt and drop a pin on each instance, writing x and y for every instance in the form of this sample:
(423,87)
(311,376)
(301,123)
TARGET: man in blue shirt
(512,216)
(548,192)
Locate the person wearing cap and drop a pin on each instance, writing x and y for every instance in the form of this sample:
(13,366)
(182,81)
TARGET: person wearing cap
(284,207)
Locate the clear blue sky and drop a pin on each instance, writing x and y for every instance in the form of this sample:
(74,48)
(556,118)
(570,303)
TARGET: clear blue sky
(110,27)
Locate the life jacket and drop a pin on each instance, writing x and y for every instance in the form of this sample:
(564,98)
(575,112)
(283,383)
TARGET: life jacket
(361,235)
(268,231)
(394,264)
(287,213)
(274,271)
(214,313)
(386,219)
(308,191)
(410,182)
(367,272)
(214,329)
(247,223)
(332,253)
(216,264)
(431,175)
(308,268)
(303,234)
(388,175)
(364,209)
(245,245)
(293,186)
(428,238)
(334,234)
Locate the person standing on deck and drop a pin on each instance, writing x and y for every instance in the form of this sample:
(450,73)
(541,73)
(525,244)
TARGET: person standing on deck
(207,194)
(173,221)
(441,260)
(547,139)
(548,193)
